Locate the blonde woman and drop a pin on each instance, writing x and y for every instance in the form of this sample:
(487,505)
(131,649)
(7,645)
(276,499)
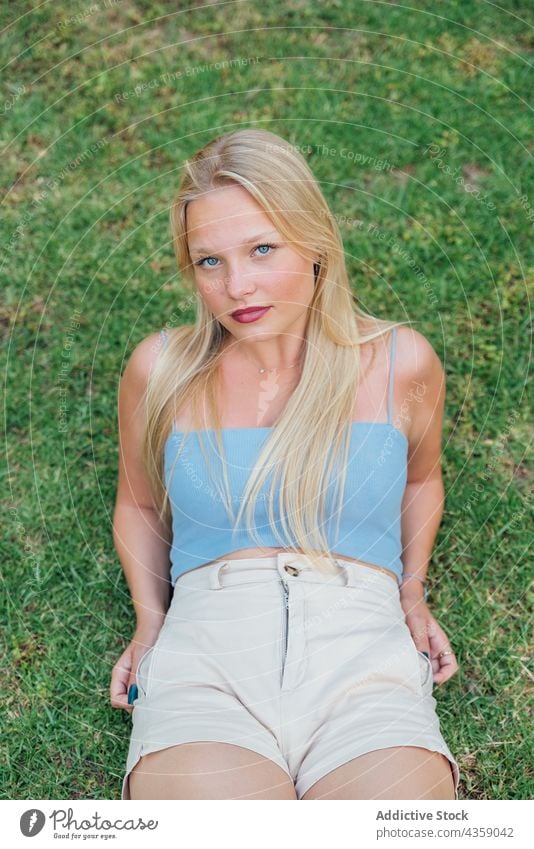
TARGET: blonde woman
(283,453)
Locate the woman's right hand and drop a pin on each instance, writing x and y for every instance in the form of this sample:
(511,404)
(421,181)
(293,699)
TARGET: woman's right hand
(124,672)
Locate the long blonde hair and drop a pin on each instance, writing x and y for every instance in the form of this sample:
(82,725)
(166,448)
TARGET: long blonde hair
(313,432)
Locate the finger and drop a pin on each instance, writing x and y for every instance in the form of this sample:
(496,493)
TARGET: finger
(444,673)
(440,642)
(448,666)
(125,698)
(122,702)
(120,676)
(133,693)
(419,633)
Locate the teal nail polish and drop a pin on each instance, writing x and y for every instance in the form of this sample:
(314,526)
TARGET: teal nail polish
(132,693)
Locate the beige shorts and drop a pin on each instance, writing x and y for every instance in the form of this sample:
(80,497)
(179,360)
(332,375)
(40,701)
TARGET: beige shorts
(305,669)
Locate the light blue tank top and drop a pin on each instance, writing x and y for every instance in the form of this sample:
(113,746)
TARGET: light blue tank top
(368,527)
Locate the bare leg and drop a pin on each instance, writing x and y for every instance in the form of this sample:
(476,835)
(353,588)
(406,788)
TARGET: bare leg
(401,772)
(206,770)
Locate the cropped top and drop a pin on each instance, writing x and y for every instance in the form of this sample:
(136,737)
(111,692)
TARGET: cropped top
(368,527)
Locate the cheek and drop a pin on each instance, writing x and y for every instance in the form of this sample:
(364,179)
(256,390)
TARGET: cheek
(295,284)
(210,291)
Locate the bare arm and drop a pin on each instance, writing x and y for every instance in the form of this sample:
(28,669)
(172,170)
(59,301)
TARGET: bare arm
(142,544)
(423,502)
(141,540)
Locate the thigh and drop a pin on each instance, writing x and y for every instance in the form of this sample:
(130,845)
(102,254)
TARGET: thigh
(399,772)
(208,770)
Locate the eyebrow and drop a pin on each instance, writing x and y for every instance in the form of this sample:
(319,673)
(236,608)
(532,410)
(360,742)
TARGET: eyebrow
(198,249)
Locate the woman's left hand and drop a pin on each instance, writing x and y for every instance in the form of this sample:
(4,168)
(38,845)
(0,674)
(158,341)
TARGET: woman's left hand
(429,637)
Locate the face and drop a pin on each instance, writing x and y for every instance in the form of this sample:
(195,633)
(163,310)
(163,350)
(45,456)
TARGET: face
(240,260)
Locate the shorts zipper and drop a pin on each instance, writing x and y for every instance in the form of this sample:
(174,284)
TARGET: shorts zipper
(285,623)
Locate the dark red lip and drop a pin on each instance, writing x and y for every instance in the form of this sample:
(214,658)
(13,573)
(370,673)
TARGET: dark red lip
(249,309)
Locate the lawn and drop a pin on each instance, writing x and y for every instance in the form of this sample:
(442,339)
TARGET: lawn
(414,120)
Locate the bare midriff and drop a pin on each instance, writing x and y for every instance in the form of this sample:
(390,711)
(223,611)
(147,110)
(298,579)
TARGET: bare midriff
(243,553)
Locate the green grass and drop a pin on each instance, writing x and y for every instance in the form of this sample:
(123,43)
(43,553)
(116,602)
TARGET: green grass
(89,245)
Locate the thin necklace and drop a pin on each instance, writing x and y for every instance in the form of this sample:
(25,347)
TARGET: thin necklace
(261,370)
(284,368)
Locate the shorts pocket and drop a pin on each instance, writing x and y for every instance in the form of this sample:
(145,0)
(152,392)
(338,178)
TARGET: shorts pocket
(427,673)
(143,671)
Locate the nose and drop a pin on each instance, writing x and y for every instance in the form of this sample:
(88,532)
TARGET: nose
(239,284)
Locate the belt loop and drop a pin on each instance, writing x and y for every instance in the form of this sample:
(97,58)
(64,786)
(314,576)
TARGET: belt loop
(353,577)
(215,578)
(343,565)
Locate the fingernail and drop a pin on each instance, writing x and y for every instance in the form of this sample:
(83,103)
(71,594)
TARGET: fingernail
(425,653)
(132,693)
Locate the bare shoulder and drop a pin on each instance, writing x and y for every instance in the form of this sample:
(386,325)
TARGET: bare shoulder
(135,377)
(415,358)
(133,486)
(142,359)
(421,399)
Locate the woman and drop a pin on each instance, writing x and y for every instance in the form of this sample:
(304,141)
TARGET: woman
(278,456)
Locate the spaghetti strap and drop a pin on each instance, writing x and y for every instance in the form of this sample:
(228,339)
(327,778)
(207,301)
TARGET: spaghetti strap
(391,374)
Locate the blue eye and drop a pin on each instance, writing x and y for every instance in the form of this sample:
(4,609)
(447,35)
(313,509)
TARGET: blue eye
(201,262)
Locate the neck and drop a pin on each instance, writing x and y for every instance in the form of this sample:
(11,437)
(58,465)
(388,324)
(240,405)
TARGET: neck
(277,354)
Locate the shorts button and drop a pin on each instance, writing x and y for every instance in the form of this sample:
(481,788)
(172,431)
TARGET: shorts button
(291,569)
